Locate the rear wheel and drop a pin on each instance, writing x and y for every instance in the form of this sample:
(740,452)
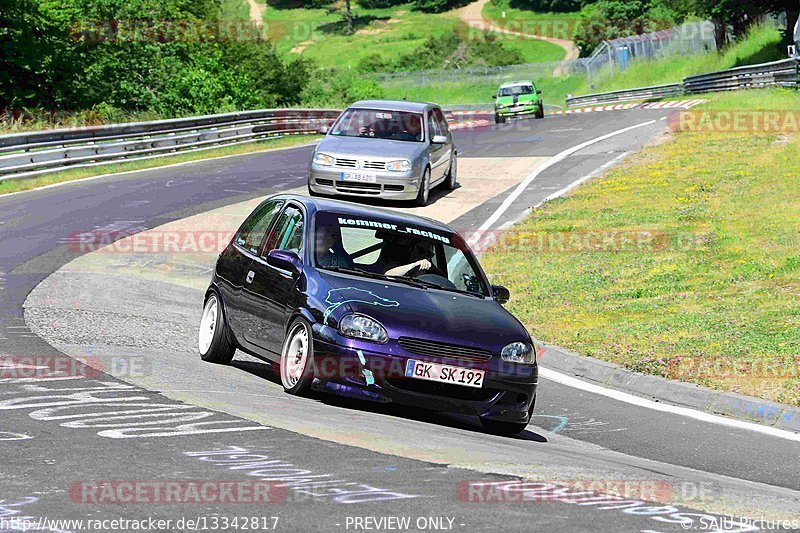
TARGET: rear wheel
(212,341)
(297,358)
(424,189)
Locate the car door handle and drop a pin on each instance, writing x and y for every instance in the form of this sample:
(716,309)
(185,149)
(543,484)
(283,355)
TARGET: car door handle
(250,276)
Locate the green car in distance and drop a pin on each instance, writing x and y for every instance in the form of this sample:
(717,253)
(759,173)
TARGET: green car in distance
(516,99)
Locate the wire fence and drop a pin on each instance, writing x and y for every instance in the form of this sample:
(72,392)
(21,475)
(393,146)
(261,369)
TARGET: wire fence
(608,59)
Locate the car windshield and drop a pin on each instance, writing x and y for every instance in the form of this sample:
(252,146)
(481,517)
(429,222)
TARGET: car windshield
(516,90)
(380,124)
(377,248)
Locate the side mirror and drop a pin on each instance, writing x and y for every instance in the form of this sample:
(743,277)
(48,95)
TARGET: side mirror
(500,294)
(538,91)
(494,97)
(439,139)
(323,130)
(285,260)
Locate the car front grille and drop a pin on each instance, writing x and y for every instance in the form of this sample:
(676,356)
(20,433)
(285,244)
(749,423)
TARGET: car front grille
(444,351)
(352,163)
(358,185)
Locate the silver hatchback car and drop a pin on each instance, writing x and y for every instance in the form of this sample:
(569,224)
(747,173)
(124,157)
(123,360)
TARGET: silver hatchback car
(395,150)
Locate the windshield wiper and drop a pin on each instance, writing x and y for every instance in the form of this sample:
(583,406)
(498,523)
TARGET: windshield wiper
(375,275)
(435,285)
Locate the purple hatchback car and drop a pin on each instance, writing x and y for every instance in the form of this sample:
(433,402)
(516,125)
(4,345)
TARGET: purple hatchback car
(373,304)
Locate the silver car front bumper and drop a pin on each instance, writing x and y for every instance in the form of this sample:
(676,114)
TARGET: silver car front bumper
(388,185)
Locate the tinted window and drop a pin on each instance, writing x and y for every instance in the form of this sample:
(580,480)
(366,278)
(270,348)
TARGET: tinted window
(379,246)
(516,90)
(437,113)
(253,230)
(433,126)
(379,124)
(288,233)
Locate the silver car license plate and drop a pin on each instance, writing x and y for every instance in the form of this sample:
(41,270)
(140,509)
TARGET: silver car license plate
(358,176)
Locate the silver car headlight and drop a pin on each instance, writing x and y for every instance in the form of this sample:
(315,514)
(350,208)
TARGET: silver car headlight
(500,106)
(363,327)
(518,352)
(401,165)
(324,160)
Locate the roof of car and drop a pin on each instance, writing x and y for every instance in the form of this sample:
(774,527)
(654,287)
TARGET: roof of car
(515,83)
(348,208)
(394,105)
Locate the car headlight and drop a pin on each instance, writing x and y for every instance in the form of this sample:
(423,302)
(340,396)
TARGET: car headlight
(401,165)
(518,352)
(363,327)
(324,160)
(500,106)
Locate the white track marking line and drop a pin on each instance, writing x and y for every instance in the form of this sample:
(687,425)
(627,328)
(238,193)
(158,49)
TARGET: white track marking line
(475,237)
(703,416)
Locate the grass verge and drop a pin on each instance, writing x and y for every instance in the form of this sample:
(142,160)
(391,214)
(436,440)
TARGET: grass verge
(683,262)
(26,184)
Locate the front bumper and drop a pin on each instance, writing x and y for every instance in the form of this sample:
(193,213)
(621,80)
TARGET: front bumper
(505,396)
(517,111)
(388,185)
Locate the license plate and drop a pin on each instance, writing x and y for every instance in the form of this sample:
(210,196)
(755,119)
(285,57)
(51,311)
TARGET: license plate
(357,176)
(444,373)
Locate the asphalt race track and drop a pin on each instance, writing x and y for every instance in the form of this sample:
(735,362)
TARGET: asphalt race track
(62,438)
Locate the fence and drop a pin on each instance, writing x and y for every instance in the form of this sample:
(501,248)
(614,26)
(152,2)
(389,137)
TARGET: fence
(783,73)
(609,58)
(34,153)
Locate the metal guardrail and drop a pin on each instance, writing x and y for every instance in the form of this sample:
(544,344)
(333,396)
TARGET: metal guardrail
(783,73)
(641,93)
(747,77)
(29,154)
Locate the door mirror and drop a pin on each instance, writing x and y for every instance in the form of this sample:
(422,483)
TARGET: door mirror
(439,139)
(323,130)
(500,294)
(285,260)
(538,91)
(494,97)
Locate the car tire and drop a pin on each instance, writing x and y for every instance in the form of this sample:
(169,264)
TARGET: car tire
(424,194)
(499,120)
(452,174)
(508,428)
(212,343)
(297,358)
(540,111)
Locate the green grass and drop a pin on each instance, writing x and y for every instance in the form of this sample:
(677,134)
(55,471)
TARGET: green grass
(761,45)
(714,298)
(26,184)
(533,50)
(553,91)
(389,32)
(558,25)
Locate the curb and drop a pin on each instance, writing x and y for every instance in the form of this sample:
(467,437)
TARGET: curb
(729,404)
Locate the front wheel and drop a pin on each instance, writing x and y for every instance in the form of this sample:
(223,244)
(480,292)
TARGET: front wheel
(297,358)
(212,340)
(540,111)
(424,189)
(452,174)
(498,119)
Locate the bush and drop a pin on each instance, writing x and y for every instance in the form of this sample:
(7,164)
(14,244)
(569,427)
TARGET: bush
(547,6)
(379,4)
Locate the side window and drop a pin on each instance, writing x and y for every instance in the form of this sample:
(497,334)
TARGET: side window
(288,232)
(433,126)
(252,231)
(437,113)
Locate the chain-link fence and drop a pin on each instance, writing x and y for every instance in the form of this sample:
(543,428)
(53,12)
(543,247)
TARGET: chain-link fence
(608,59)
